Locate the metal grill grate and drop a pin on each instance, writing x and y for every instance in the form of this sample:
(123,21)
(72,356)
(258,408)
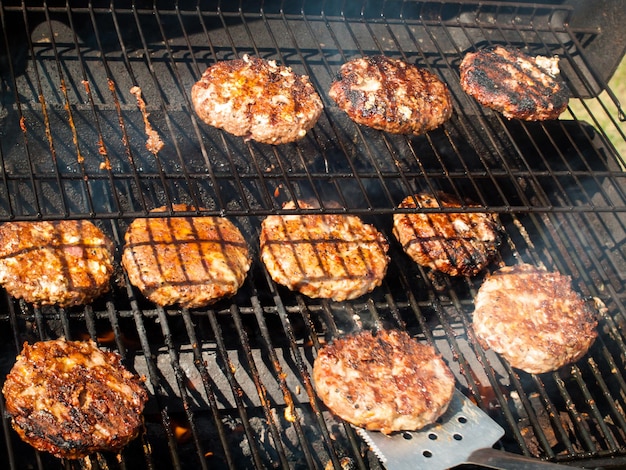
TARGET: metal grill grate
(230,386)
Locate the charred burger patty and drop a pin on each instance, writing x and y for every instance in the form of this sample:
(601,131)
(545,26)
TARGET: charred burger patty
(533,318)
(65,262)
(71,399)
(385,381)
(391,95)
(456,243)
(257,99)
(515,84)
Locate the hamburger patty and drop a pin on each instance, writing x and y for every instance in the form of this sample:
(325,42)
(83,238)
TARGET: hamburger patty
(71,399)
(189,261)
(328,256)
(383,382)
(515,84)
(66,262)
(257,99)
(458,244)
(391,95)
(533,318)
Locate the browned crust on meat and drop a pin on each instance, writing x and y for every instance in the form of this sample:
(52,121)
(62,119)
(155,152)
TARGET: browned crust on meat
(189,261)
(456,243)
(326,256)
(65,262)
(384,382)
(257,99)
(511,82)
(391,95)
(71,399)
(533,318)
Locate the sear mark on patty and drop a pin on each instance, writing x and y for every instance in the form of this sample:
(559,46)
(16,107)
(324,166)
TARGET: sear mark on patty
(514,83)
(189,261)
(323,256)
(64,263)
(391,95)
(72,399)
(456,243)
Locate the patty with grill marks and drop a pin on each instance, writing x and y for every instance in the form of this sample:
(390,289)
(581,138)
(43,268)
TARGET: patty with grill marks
(455,243)
(63,263)
(257,99)
(514,83)
(391,95)
(533,318)
(330,256)
(72,399)
(384,381)
(189,261)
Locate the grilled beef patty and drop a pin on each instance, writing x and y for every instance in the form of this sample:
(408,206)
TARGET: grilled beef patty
(385,381)
(456,243)
(61,263)
(257,99)
(71,399)
(189,261)
(391,95)
(328,256)
(533,318)
(515,84)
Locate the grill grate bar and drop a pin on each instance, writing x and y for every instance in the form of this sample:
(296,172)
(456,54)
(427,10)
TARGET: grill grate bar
(32,181)
(261,390)
(520,153)
(553,414)
(469,129)
(291,410)
(312,335)
(463,128)
(70,116)
(167,196)
(199,363)
(229,367)
(296,356)
(322,201)
(220,203)
(182,387)
(541,198)
(153,379)
(313,180)
(614,413)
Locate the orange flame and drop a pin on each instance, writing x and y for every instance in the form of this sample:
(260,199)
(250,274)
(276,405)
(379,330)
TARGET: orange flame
(182,432)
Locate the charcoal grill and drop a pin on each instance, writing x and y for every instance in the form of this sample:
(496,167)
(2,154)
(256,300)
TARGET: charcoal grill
(230,385)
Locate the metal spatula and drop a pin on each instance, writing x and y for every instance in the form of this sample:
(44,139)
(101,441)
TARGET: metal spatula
(464,434)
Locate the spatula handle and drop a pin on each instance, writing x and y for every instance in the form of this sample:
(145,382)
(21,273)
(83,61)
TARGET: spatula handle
(498,459)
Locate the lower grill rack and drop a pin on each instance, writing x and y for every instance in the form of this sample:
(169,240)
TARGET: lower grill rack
(231,386)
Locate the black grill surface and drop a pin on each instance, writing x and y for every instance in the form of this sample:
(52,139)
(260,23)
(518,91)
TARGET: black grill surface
(230,386)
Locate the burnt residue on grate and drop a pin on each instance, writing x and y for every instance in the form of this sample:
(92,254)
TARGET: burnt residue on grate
(230,385)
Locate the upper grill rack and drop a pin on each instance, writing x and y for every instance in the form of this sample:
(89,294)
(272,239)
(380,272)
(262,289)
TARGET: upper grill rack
(72,127)
(227,382)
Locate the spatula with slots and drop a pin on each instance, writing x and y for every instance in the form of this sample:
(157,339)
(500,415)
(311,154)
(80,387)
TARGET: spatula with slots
(465,434)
